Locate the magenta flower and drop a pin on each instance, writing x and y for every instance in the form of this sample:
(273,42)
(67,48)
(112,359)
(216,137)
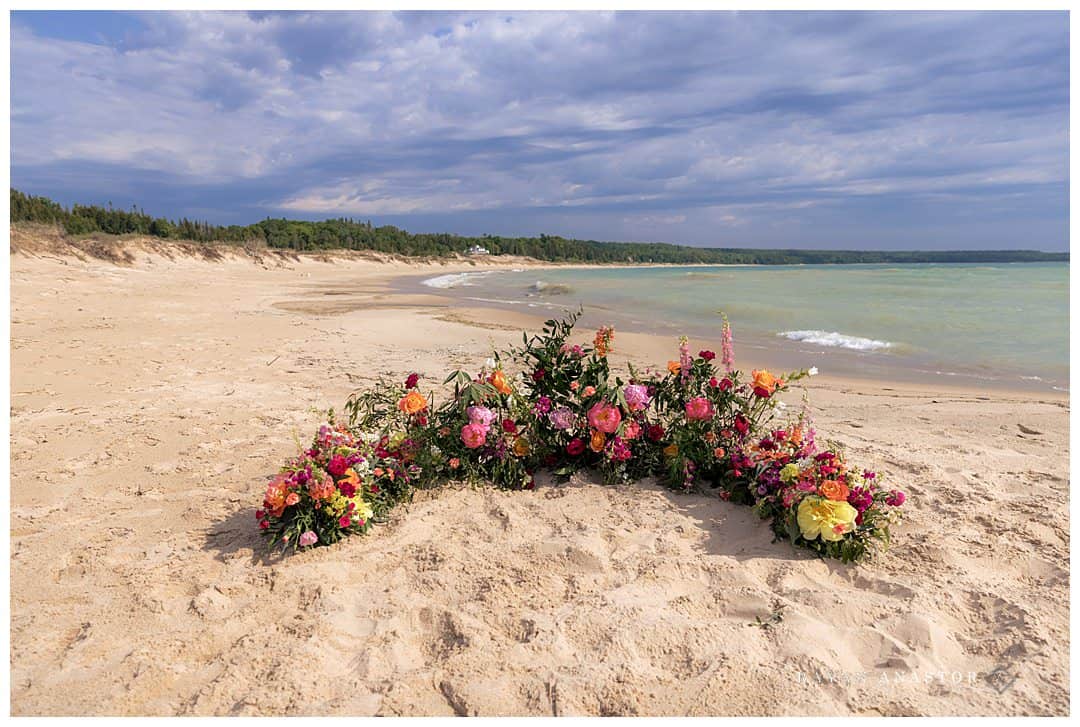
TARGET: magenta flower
(337,466)
(637,396)
(308,538)
(895,499)
(542,405)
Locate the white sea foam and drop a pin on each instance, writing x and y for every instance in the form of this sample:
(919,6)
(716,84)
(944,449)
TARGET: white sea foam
(836,340)
(455,280)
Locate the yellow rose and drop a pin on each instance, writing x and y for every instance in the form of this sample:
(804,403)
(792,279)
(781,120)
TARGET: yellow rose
(828,518)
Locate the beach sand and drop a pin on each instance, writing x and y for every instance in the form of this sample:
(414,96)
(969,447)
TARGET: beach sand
(154,390)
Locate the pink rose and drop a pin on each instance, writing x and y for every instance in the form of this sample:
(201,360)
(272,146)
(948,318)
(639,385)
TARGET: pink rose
(308,538)
(604,417)
(699,409)
(632,430)
(474,435)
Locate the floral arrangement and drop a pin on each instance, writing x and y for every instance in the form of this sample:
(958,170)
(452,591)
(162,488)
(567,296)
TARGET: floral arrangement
(693,425)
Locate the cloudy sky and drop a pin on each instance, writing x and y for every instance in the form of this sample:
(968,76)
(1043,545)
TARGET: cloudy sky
(847,130)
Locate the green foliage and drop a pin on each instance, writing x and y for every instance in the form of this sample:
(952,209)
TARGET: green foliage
(348,234)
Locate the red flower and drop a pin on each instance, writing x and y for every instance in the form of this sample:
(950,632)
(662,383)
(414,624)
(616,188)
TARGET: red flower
(726,384)
(707,355)
(509,426)
(575,447)
(263,524)
(538,375)
(344,521)
(347,489)
(410,383)
(337,466)
(260,514)
(655,432)
(741,424)
(713,382)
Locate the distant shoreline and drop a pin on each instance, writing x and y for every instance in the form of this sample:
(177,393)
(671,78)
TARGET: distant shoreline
(343,234)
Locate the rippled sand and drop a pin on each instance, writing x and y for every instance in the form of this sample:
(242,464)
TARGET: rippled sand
(151,395)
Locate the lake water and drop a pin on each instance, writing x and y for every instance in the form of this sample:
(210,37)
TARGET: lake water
(993,323)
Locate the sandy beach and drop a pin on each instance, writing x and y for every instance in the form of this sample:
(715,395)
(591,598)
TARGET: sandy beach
(154,389)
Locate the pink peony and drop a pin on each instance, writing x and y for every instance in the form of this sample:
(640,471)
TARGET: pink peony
(474,435)
(604,417)
(480,415)
(699,409)
(308,538)
(637,396)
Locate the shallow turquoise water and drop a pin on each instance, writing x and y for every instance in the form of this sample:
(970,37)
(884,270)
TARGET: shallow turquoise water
(1005,322)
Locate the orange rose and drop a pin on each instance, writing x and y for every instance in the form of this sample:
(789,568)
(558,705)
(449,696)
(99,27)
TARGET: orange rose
(765,383)
(673,366)
(498,380)
(596,442)
(350,478)
(412,403)
(835,490)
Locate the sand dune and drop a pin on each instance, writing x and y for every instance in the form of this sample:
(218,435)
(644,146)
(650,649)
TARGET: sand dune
(151,398)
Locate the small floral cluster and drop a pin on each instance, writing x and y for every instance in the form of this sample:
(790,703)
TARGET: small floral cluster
(693,425)
(347,478)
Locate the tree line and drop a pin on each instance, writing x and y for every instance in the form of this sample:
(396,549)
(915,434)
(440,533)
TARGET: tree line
(348,234)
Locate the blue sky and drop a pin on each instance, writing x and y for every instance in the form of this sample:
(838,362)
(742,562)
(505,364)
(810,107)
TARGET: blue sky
(839,130)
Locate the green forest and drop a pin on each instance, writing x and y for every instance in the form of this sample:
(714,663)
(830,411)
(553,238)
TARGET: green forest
(348,234)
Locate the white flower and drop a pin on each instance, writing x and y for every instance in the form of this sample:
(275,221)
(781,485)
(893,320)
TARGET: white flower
(490,363)
(813,371)
(781,405)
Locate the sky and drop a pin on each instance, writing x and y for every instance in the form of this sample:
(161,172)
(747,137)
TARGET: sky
(866,130)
